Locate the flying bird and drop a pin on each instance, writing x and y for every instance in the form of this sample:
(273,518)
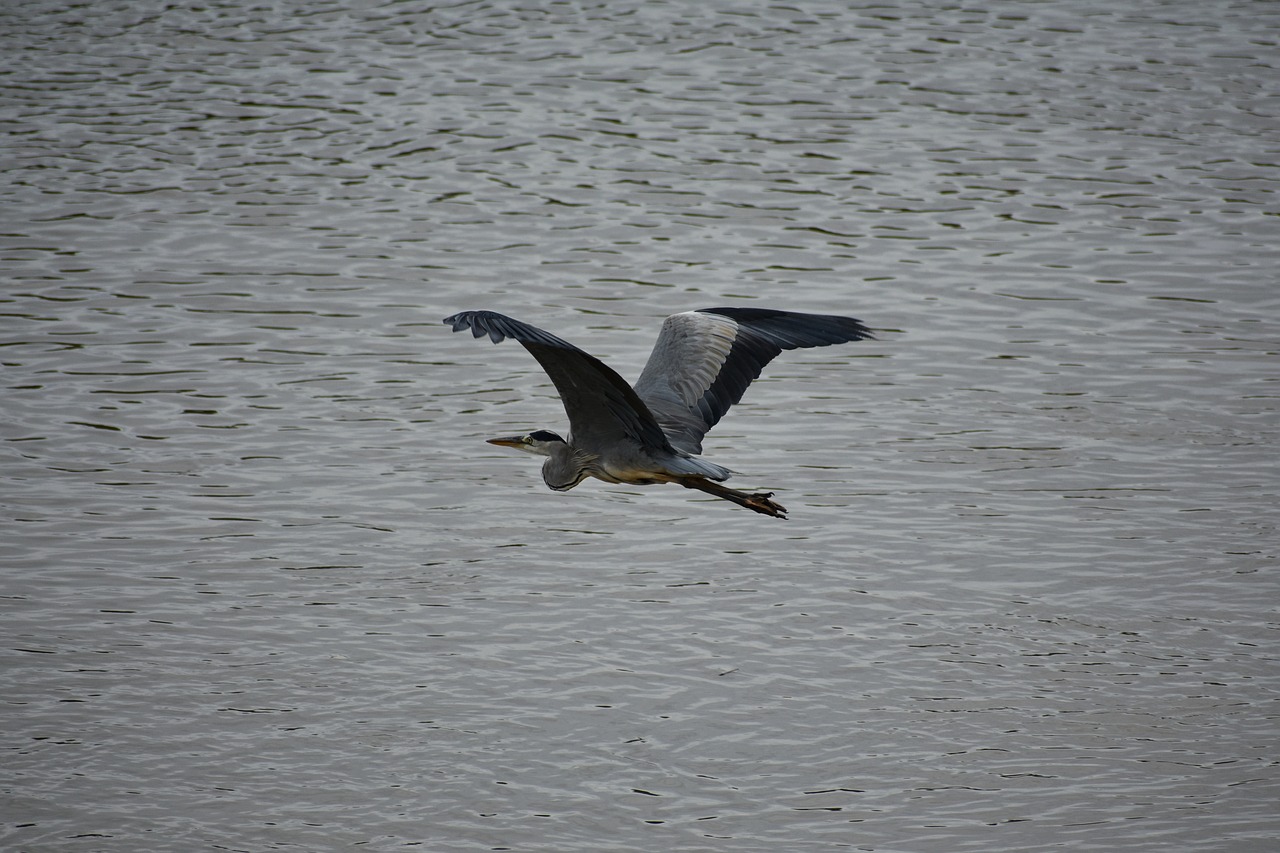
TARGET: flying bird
(701,365)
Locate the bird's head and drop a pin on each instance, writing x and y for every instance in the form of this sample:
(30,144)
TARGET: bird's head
(540,442)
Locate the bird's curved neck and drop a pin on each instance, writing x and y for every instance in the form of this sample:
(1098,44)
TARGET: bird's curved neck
(565,467)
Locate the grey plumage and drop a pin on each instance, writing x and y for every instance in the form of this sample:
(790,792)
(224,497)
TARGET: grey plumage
(701,365)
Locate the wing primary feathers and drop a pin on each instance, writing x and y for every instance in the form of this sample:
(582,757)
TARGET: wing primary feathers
(794,330)
(499,327)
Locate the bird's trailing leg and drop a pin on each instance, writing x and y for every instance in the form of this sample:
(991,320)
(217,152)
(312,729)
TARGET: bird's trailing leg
(759,501)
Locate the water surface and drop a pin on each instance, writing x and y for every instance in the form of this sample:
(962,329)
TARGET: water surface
(266,588)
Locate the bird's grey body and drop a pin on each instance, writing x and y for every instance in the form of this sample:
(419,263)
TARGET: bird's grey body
(701,364)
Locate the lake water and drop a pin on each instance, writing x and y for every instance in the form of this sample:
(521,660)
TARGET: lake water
(267,588)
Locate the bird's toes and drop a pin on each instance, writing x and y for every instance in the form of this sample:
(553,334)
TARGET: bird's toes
(761,502)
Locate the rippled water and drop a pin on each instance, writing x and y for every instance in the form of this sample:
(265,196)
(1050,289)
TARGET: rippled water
(266,588)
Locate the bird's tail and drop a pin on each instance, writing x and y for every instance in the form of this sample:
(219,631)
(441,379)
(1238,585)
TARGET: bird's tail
(692,466)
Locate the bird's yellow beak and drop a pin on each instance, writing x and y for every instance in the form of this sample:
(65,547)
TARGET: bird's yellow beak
(516,441)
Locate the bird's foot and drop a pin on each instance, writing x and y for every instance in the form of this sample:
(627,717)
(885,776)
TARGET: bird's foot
(760,502)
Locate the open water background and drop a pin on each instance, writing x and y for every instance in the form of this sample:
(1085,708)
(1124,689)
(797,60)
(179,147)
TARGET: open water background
(266,588)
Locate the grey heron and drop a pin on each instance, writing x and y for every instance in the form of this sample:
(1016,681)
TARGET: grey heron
(701,365)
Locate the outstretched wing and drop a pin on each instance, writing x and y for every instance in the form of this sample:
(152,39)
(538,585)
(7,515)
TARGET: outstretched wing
(704,360)
(603,409)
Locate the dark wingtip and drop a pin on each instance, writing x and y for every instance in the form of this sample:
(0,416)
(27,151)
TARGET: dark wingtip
(478,323)
(499,327)
(795,330)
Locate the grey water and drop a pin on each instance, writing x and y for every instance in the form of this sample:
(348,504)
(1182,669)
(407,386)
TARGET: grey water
(265,587)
